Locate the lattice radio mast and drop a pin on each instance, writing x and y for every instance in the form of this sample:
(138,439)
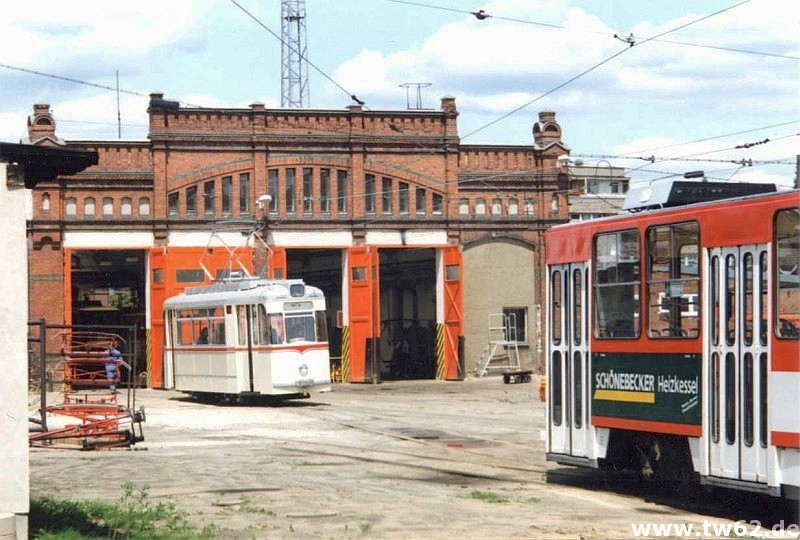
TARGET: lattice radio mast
(294,66)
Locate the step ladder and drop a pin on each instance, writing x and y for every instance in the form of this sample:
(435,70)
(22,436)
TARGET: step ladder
(501,353)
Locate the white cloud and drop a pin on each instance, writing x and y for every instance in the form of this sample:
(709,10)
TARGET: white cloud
(495,63)
(37,34)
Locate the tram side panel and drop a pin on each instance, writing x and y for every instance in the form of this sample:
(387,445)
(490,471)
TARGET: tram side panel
(716,394)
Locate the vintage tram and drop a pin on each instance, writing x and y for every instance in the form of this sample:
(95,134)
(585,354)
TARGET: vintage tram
(249,337)
(673,338)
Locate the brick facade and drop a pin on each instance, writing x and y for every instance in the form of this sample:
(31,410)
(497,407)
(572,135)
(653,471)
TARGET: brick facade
(192,170)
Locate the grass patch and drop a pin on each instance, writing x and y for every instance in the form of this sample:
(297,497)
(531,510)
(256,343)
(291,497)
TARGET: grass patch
(487,496)
(133,516)
(532,500)
(365,527)
(246,506)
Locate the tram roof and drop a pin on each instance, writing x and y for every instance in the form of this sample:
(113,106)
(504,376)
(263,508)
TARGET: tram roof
(244,291)
(724,222)
(632,215)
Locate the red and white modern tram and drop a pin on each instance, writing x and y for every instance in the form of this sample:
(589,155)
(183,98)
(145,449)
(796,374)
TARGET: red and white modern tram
(674,339)
(247,338)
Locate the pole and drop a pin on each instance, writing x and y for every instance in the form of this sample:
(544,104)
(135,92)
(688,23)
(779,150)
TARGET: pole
(119,117)
(134,358)
(43,372)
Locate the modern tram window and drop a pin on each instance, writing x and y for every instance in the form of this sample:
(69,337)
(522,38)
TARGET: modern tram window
(787,273)
(586,323)
(555,388)
(577,306)
(673,281)
(555,308)
(715,397)
(730,398)
(747,291)
(762,398)
(747,421)
(577,394)
(617,285)
(762,291)
(714,300)
(730,300)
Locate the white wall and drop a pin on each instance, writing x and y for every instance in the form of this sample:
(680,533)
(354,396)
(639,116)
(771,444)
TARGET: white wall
(14,492)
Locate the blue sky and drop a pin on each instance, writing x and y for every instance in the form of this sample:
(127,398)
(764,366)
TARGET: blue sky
(652,96)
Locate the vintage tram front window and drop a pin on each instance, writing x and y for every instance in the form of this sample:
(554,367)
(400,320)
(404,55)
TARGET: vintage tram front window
(673,281)
(787,273)
(322,325)
(275,329)
(300,327)
(617,285)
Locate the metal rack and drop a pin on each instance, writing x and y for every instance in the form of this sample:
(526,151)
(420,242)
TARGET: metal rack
(501,352)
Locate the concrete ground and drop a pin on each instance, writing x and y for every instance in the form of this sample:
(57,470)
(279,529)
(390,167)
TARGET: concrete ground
(414,459)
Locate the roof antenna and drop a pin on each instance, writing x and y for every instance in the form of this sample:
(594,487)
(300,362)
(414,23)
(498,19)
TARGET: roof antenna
(419,86)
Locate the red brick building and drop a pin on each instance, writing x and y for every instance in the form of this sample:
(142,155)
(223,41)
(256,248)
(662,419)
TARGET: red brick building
(398,222)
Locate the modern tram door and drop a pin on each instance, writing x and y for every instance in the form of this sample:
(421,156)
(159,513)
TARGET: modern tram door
(737,371)
(568,365)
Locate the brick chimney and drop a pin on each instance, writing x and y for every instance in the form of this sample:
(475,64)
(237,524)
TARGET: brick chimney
(546,130)
(42,126)
(449,105)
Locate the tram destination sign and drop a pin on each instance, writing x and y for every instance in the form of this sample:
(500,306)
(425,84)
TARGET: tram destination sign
(649,387)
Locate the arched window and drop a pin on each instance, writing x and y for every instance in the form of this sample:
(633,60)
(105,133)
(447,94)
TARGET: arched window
(144,206)
(88,207)
(513,207)
(480,207)
(497,207)
(529,207)
(554,203)
(108,207)
(71,207)
(46,203)
(125,206)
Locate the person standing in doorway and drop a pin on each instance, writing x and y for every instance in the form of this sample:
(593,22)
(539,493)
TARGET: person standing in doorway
(113,360)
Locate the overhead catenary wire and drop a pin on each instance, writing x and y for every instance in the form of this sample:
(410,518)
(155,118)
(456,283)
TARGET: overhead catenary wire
(482,15)
(599,64)
(304,57)
(84,83)
(710,138)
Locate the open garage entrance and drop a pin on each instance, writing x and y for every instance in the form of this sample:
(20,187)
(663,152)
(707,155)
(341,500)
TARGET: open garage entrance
(408,313)
(108,289)
(321,268)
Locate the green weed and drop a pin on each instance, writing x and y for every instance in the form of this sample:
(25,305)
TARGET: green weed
(132,516)
(365,527)
(487,496)
(246,506)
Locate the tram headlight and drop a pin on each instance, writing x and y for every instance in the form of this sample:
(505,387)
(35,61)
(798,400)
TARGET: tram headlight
(303,369)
